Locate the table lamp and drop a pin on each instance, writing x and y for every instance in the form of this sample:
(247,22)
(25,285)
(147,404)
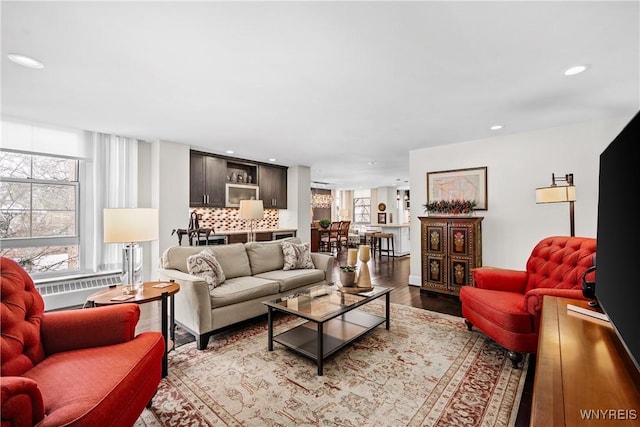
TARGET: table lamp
(130,226)
(251,210)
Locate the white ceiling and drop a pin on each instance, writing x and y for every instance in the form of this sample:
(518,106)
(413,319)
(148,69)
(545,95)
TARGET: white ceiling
(330,85)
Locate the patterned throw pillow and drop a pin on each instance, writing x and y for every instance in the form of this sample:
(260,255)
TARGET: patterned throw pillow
(206,266)
(297,256)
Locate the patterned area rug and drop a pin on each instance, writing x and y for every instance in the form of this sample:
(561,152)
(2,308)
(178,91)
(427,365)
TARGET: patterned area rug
(427,370)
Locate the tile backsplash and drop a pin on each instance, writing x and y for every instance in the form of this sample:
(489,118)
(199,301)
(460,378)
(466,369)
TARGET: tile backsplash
(228,219)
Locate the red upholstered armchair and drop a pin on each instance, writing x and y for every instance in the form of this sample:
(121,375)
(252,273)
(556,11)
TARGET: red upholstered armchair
(506,304)
(75,367)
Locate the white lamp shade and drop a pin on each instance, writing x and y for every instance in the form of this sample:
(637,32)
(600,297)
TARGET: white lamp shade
(251,209)
(555,194)
(127,225)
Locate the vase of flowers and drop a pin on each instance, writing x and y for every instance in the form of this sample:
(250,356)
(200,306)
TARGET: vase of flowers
(450,207)
(348,275)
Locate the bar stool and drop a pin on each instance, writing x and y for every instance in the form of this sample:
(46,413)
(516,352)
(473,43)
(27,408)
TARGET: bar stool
(370,238)
(388,249)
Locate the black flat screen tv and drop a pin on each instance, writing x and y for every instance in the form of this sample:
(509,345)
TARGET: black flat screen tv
(617,281)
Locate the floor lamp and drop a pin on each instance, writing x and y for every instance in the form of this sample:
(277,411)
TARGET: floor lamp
(251,210)
(559,193)
(131,226)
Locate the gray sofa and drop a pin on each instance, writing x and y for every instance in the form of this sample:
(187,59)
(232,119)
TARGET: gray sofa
(254,273)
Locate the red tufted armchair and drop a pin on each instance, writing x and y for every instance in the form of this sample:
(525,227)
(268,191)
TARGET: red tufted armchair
(74,367)
(506,304)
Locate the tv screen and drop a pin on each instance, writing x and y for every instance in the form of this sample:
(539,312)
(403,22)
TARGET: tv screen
(617,285)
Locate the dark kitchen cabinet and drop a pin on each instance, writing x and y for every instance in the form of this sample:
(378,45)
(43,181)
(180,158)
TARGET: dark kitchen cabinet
(207,180)
(273,186)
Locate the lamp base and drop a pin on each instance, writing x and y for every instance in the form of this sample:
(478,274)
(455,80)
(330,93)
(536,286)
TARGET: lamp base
(131,269)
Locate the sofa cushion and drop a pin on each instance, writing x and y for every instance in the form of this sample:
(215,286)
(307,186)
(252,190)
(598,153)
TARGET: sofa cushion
(296,256)
(267,256)
(291,279)
(175,257)
(91,385)
(206,266)
(233,259)
(505,309)
(241,289)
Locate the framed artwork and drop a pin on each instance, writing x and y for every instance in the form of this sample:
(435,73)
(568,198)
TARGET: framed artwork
(382,218)
(459,184)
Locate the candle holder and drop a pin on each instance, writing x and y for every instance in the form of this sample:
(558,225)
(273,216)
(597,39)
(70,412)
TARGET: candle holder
(364,277)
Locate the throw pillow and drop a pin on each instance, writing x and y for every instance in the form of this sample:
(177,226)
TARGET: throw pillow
(206,266)
(297,256)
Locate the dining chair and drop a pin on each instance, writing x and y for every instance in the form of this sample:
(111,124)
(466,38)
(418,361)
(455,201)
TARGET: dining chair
(331,239)
(343,234)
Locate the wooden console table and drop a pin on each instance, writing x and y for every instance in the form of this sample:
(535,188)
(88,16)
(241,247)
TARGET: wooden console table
(582,368)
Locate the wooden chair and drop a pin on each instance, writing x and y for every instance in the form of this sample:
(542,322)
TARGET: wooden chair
(331,239)
(343,234)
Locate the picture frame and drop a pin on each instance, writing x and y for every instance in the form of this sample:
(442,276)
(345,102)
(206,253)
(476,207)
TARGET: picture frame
(382,218)
(466,184)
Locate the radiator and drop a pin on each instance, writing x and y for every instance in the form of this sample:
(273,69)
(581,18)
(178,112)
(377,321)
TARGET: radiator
(73,292)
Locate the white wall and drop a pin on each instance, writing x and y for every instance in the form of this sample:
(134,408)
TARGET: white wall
(170,191)
(516,165)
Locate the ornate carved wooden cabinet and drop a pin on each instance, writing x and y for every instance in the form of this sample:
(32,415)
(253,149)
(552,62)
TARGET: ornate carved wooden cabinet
(451,247)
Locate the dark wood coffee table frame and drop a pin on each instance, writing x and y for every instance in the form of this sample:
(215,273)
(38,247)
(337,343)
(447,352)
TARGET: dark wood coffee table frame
(320,337)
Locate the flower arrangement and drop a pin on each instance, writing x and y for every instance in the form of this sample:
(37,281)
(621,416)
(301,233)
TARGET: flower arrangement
(348,268)
(455,207)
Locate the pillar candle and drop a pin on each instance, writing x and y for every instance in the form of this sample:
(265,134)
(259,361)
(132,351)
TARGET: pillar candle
(365,252)
(352,256)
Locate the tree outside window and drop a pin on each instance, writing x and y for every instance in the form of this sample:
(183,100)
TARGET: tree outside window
(39,211)
(362,207)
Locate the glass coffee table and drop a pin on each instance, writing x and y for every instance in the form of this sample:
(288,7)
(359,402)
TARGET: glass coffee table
(333,320)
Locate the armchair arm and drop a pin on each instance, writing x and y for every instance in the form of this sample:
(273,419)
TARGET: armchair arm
(500,279)
(533,298)
(324,262)
(86,328)
(21,401)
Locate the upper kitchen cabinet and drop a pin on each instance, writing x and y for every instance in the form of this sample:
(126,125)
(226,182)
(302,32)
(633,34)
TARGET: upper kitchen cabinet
(207,180)
(273,186)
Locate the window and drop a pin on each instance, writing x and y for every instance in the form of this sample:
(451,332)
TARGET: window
(362,207)
(39,212)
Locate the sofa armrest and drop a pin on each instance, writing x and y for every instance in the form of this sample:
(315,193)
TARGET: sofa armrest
(87,328)
(21,401)
(533,298)
(324,262)
(500,279)
(192,302)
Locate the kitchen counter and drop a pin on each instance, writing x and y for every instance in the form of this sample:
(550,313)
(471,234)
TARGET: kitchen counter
(401,235)
(221,237)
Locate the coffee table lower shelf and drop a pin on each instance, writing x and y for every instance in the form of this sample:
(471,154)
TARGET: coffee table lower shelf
(336,333)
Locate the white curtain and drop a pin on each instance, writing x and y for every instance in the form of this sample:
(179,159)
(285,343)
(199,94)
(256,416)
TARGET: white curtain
(115,186)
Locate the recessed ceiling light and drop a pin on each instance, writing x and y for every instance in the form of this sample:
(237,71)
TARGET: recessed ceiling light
(272,159)
(371,163)
(575,70)
(25,61)
(496,127)
(229,151)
